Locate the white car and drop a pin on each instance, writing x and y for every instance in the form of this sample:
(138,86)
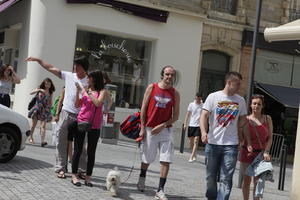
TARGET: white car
(14,130)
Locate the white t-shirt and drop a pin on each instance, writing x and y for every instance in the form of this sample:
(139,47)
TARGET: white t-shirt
(195,110)
(223,120)
(70,90)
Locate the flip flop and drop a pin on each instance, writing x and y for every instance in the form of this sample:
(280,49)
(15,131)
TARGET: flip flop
(61,174)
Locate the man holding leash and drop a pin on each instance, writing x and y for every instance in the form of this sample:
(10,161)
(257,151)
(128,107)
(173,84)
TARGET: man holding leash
(160,109)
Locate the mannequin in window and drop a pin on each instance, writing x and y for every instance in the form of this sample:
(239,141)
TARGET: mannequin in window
(115,66)
(136,81)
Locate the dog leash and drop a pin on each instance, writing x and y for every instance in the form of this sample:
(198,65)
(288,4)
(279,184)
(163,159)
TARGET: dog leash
(131,170)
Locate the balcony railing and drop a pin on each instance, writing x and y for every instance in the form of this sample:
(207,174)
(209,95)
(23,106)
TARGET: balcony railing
(294,14)
(226,6)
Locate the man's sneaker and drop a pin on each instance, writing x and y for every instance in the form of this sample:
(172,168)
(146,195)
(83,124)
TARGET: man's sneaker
(141,184)
(160,195)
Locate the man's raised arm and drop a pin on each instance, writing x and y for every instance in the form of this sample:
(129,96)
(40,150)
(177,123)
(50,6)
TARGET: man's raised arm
(47,66)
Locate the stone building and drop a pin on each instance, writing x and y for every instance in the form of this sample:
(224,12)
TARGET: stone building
(204,39)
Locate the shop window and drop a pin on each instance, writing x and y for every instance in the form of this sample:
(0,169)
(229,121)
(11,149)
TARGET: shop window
(214,67)
(125,60)
(226,6)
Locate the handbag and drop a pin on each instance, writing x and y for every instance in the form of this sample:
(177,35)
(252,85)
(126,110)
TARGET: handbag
(86,126)
(32,102)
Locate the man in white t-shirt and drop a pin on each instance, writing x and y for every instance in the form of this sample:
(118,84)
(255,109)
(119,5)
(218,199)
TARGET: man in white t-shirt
(69,111)
(192,119)
(222,111)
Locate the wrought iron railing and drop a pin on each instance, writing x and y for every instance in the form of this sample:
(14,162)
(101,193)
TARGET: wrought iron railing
(294,14)
(226,6)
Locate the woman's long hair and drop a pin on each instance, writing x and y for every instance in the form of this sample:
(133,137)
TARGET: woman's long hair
(51,89)
(2,70)
(97,80)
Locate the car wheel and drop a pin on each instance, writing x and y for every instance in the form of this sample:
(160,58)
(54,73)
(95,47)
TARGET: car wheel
(8,144)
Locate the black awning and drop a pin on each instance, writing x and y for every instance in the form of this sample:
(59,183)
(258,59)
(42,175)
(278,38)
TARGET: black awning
(141,11)
(4,5)
(289,97)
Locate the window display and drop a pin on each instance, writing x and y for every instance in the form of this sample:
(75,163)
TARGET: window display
(125,60)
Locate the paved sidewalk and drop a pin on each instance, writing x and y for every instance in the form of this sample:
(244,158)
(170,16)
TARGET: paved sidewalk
(30,176)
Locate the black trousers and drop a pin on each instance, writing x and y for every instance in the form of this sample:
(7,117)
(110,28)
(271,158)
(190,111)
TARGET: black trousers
(5,100)
(93,137)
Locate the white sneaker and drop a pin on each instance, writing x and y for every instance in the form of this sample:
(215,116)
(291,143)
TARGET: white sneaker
(192,160)
(141,184)
(160,195)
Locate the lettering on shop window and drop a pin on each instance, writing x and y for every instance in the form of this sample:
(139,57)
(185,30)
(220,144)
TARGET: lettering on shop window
(104,47)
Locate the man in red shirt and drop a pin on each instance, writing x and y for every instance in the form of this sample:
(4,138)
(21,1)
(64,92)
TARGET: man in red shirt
(160,109)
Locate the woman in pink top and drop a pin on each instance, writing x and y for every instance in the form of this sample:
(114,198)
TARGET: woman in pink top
(258,126)
(90,111)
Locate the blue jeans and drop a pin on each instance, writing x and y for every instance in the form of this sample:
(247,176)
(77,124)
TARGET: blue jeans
(221,161)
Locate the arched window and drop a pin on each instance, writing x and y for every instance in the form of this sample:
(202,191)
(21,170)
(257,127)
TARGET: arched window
(215,65)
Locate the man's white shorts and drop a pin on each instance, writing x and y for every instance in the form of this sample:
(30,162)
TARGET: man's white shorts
(163,142)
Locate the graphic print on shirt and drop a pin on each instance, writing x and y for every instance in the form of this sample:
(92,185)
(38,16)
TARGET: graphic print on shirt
(226,112)
(161,100)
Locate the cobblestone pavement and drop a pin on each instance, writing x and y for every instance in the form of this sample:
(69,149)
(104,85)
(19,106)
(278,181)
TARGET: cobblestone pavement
(30,176)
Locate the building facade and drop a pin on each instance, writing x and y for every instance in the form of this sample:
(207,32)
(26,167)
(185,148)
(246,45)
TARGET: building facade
(203,39)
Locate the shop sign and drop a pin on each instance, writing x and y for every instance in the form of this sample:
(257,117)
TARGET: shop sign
(272,66)
(104,47)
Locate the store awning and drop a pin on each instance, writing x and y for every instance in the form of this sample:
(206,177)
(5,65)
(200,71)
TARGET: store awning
(141,11)
(289,31)
(4,5)
(289,97)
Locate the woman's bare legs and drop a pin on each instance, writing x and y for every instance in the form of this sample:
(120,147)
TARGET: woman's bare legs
(33,125)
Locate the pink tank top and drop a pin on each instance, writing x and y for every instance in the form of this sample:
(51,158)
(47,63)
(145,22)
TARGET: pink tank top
(89,112)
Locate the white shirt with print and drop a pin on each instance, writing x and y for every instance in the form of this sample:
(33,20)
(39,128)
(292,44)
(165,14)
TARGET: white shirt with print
(70,90)
(223,120)
(195,110)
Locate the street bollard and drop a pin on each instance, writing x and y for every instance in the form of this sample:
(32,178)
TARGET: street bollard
(182,139)
(282,168)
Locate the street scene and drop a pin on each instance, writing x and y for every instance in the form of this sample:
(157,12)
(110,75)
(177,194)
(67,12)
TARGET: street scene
(30,176)
(149,99)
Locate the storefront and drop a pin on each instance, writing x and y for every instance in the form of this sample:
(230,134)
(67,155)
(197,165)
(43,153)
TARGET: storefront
(131,49)
(276,77)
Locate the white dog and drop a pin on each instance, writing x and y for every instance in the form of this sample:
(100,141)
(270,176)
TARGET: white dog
(113,180)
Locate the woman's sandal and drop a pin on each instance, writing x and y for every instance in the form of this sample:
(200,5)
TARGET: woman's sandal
(78,184)
(61,174)
(31,141)
(81,175)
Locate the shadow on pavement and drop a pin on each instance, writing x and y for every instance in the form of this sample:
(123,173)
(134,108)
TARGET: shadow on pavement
(21,163)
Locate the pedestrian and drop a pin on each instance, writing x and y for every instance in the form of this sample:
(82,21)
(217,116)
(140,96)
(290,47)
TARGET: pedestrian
(69,111)
(260,128)
(191,121)
(160,109)
(8,77)
(222,111)
(91,105)
(41,111)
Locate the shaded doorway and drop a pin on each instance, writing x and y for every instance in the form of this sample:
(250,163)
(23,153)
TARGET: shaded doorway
(215,65)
